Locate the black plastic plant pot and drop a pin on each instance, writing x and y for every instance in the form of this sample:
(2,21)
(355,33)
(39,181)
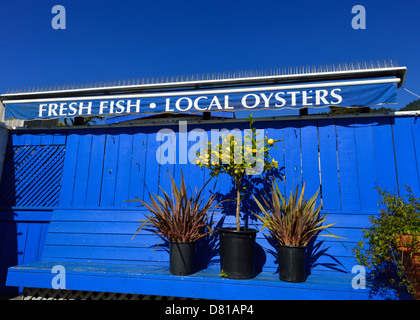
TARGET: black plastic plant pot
(291,263)
(237,253)
(181,258)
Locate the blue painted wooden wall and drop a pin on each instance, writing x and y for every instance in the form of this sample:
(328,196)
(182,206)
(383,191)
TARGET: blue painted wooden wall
(28,192)
(102,167)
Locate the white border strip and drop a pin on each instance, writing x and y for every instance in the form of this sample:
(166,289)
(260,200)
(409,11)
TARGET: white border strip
(203,92)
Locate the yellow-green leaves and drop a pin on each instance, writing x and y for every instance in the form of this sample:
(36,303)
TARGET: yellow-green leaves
(237,155)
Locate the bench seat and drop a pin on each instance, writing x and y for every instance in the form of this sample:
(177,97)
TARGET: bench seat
(204,284)
(96,248)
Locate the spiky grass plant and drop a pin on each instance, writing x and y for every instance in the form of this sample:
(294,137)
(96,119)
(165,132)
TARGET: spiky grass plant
(293,221)
(180,217)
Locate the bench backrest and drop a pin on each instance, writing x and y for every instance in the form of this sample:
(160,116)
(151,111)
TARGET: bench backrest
(103,236)
(106,236)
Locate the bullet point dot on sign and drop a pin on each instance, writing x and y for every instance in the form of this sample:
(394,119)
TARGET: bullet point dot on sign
(152,105)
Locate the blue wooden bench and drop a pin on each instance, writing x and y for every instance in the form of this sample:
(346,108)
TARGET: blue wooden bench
(96,250)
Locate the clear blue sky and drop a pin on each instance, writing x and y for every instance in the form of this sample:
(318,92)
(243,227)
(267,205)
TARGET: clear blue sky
(111,40)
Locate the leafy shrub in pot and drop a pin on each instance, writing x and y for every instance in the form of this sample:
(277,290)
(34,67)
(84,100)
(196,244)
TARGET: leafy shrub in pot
(391,245)
(238,157)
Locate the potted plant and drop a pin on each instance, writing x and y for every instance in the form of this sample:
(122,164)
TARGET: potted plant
(180,218)
(237,159)
(292,223)
(391,245)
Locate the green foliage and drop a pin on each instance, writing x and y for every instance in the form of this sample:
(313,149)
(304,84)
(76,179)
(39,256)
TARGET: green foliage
(382,110)
(223,157)
(293,221)
(234,158)
(180,218)
(414,105)
(381,249)
(342,110)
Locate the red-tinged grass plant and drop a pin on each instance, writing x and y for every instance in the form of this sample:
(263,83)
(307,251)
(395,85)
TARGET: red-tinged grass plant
(180,217)
(293,221)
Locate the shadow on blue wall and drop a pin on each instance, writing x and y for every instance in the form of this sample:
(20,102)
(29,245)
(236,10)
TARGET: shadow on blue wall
(8,228)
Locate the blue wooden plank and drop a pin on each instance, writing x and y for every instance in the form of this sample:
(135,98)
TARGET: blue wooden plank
(21,238)
(347,159)
(167,156)
(275,131)
(25,214)
(42,239)
(32,139)
(152,164)
(204,284)
(384,154)
(329,167)
(110,168)
(69,170)
(47,139)
(125,152)
(60,137)
(145,240)
(16,139)
(138,165)
(82,169)
(181,153)
(405,155)
(93,193)
(292,158)
(97,215)
(32,242)
(416,140)
(366,164)
(91,227)
(98,253)
(310,158)
(194,176)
